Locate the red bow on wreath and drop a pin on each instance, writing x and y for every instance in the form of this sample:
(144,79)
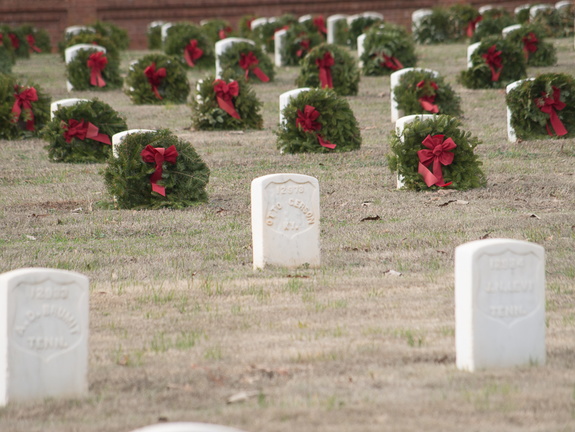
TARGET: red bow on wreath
(307,121)
(319,23)
(15,41)
(304,47)
(97,63)
(471,26)
(427,102)
(530,44)
(324,64)
(548,105)
(493,59)
(23,102)
(155,77)
(84,129)
(224,94)
(1,39)
(223,33)
(159,155)
(390,62)
(192,52)
(32,43)
(436,154)
(249,62)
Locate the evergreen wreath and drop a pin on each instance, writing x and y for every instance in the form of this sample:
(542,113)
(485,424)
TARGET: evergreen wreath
(544,54)
(316,24)
(65,43)
(464,172)
(522,16)
(297,43)
(245,26)
(550,21)
(154,37)
(88,150)
(183,178)
(23,119)
(38,39)
(334,124)
(341,31)
(207,114)
(525,100)
(181,38)
(387,49)
(117,35)
(417,87)
(6,60)
(344,72)
(567,20)
(16,39)
(231,59)
(434,28)
(463,20)
(480,74)
(264,34)
(112,51)
(493,22)
(79,73)
(157,79)
(218,29)
(359,26)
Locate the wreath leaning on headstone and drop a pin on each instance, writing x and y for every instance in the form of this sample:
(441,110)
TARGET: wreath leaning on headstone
(435,153)
(24,109)
(191,45)
(359,26)
(242,59)
(117,35)
(387,49)
(156,170)
(297,43)
(217,29)
(94,70)
(331,66)
(157,79)
(16,39)
(493,22)
(112,51)
(38,39)
(464,19)
(543,107)
(154,36)
(434,28)
(318,121)
(537,51)
(82,132)
(496,63)
(421,92)
(225,105)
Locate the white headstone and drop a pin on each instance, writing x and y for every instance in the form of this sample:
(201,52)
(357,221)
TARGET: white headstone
(564,4)
(534,10)
(119,137)
(43,334)
(77,29)
(511,136)
(499,304)
(360,48)
(285,100)
(55,106)
(285,220)
(399,126)
(518,9)
(156,24)
(331,26)
(279,41)
(484,9)
(164,31)
(509,29)
(186,427)
(71,52)
(394,79)
(352,18)
(304,18)
(470,50)
(258,22)
(417,16)
(223,45)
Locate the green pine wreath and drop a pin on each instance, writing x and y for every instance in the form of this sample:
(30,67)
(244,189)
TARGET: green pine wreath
(298,42)
(465,170)
(16,40)
(127,177)
(546,54)
(359,26)
(116,34)
(40,37)
(494,21)
(12,127)
(435,28)
(172,88)
(550,22)
(100,114)
(207,114)
(216,28)
(230,62)
(112,51)
(408,94)
(65,43)
(245,25)
(567,20)
(78,72)
(479,75)
(310,25)
(344,72)
(181,35)
(338,124)
(522,16)
(6,60)
(341,32)
(460,17)
(527,118)
(263,35)
(392,41)
(154,37)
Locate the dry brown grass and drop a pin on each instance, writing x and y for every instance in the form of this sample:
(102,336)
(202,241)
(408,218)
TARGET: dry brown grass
(180,322)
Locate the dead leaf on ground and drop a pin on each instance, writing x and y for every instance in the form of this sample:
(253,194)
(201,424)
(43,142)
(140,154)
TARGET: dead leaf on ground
(298,276)
(458,202)
(484,236)
(29,237)
(39,215)
(371,218)
(392,273)
(76,210)
(533,215)
(242,396)
(446,203)
(366,203)
(441,251)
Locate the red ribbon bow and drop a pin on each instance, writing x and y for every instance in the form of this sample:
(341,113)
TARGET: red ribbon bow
(97,63)
(427,102)
(390,62)
(223,33)
(249,62)
(159,155)
(304,47)
(319,23)
(493,59)
(530,44)
(84,129)
(15,41)
(324,64)
(548,105)
(23,102)
(224,94)
(436,154)
(155,77)
(1,39)
(32,43)
(471,26)
(192,52)
(307,121)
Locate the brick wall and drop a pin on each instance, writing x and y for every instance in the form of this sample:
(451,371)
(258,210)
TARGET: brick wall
(134,15)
